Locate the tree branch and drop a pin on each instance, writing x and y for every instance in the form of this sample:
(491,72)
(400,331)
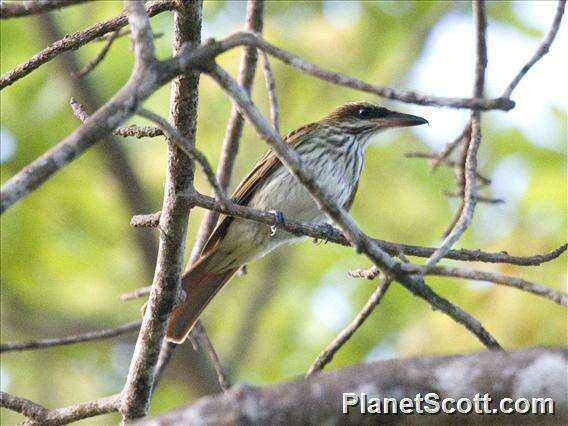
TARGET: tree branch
(536,372)
(39,415)
(27,8)
(327,354)
(76,40)
(67,340)
(519,283)
(139,384)
(334,235)
(100,56)
(129,131)
(542,50)
(470,165)
(271,89)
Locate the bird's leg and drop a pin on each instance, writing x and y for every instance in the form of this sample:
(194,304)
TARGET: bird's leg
(279,221)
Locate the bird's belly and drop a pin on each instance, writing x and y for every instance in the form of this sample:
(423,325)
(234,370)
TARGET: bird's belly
(247,240)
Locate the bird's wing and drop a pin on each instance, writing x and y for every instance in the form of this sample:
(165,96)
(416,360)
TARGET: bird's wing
(267,165)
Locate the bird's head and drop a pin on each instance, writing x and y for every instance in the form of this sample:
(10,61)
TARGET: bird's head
(365,119)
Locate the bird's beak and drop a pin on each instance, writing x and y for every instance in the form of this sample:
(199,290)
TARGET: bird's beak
(398,119)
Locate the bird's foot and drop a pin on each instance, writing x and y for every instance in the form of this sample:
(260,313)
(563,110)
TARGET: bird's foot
(279,221)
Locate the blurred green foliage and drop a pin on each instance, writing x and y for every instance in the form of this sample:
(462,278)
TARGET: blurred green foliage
(68,251)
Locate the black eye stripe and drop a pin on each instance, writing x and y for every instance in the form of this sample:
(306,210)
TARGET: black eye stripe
(371,112)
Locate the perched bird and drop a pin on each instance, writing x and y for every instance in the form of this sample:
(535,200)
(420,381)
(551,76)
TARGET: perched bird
(332,149)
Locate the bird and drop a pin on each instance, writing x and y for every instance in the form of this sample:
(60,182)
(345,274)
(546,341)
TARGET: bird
(332,149)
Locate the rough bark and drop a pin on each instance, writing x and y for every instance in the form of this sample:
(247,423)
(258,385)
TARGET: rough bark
(538,372)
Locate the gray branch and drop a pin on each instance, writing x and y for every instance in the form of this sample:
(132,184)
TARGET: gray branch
(76,40)
(542,49)
(39,415)
(27,8)
(529,373)
(67,340)
(137,391)
(470,165)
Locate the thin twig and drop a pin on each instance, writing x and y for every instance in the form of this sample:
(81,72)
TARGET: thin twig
(478,198)
(27,8)
(271,89)
(470,166)
(519,283)
(201,338)
(556,296)
(354,83)
(128,131)
(327,354)
(334,235)
(542,49)
(100,56)
(136,294)
(124,32)
(451,146)
(76,40)
(67,340)
(38,414)
(450,163)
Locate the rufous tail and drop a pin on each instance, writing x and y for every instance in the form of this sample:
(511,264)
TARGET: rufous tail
(200,286)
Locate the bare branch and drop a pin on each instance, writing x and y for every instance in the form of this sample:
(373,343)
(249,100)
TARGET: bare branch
(129,131)
(124,32)
(353,233)
(470,166)
(451,146)
(354,83)
(317,399)
(327,354)
(76,40)
(23,406)
(139,384)
(141,33)
(67,340)
(439,159)
(38,414)
(334,235)
(271,89)
(540,51)
(27,8)
(100,56)
(136,294)
(199,336)
(519,283)
(478,198)
(524,285)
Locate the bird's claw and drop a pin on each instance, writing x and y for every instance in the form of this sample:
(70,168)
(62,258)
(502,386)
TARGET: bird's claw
(279,220)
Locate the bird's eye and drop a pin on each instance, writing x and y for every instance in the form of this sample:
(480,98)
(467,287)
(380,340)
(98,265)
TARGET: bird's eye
(364,113)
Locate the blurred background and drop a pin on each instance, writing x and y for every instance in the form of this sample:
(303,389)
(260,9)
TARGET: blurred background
(68,252)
